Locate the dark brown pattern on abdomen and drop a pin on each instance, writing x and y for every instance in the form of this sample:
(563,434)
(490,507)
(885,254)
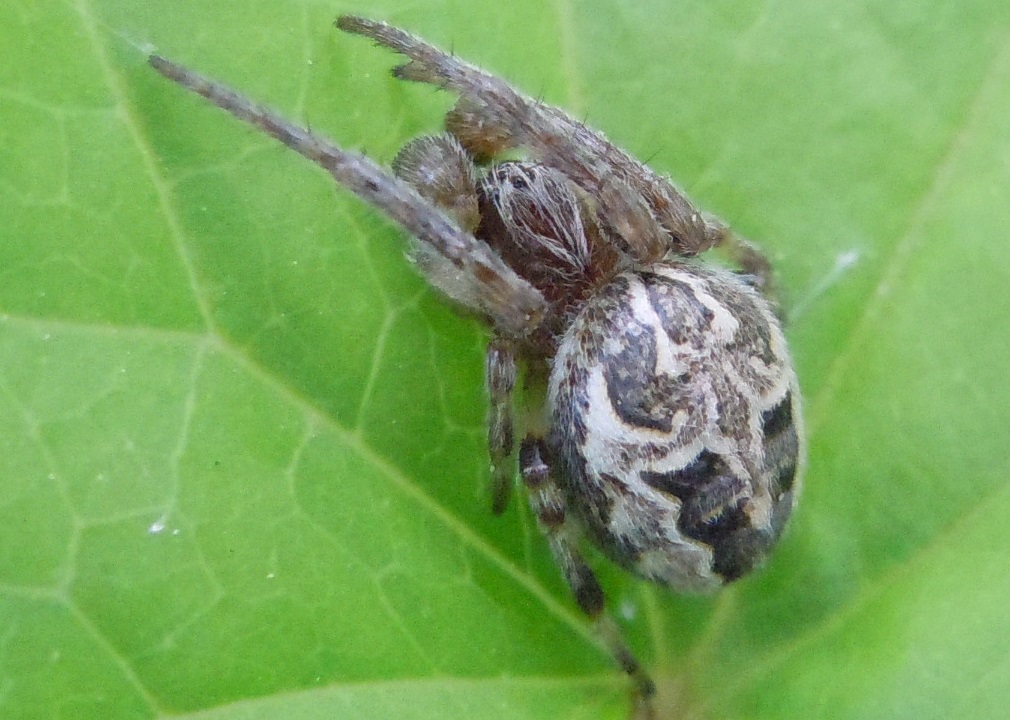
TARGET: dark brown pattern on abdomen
(638,393)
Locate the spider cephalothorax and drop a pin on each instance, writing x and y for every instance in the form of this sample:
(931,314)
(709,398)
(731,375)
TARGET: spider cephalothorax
(661,410)
(542,225)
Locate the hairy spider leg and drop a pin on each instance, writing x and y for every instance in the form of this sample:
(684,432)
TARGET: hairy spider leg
(491,117)
(500,380)
(548,504)
(456,262)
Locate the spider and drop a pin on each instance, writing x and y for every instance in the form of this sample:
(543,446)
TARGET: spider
(660,410)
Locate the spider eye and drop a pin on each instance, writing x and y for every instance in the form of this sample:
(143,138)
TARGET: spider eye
(519,177)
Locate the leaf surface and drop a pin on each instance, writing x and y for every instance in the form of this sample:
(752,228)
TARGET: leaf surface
(242,460)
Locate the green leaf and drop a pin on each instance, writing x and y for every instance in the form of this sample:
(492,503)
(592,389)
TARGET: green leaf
(242,462)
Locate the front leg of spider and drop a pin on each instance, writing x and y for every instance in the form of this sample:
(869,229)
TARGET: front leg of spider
(440,170)
(491,117)
(451,259)
(548,505)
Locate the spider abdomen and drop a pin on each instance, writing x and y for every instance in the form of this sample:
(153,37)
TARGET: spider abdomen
(675,418)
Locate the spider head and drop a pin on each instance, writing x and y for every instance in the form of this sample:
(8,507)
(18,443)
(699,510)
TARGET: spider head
(543,226)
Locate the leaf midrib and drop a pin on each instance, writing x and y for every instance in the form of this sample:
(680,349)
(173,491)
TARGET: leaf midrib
(120,97)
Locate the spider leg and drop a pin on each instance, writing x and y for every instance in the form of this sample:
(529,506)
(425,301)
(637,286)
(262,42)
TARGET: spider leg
(500,379)
(462,266)
(753,263)
(629,218)
(438,167)
(548,504)
(491,116)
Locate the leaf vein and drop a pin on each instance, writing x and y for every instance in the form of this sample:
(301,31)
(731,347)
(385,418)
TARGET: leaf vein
(160,185)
